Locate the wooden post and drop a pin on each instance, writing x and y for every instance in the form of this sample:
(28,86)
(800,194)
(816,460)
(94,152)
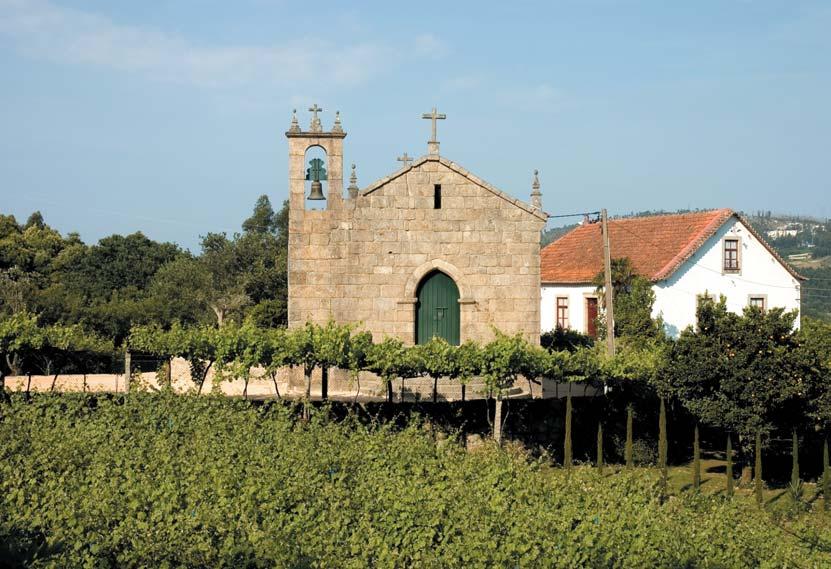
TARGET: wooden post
(607,270)
(127,371)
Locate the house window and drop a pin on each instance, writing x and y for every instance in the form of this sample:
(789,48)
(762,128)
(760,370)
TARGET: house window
(731,256)
(562,312)
(759,301)
(437,196)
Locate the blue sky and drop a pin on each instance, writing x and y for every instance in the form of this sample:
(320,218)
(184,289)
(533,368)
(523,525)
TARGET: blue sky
(168,116)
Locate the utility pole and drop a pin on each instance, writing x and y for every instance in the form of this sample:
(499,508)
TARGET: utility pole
(607,270)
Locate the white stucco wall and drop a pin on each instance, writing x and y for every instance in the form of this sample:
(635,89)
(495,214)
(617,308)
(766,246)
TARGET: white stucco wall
(761,274)
(576,305)
(675,298)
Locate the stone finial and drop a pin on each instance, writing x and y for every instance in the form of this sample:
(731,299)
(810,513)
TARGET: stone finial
(337,127)
(353,184)
(536,194)
(295,126)
(316,125)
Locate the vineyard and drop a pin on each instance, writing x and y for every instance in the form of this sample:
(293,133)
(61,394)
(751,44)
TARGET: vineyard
(165,480)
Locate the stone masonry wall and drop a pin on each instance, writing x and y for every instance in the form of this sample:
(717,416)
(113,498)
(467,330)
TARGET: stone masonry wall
(361,259)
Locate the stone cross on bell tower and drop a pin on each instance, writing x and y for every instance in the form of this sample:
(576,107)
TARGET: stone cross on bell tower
(433,144)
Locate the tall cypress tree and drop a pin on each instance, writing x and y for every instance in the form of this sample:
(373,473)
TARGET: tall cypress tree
(600,446)
(826,476)
(729,466)
(796,484)
(696,460)
(757,470)
(629,436)
(662,443)
(567,455)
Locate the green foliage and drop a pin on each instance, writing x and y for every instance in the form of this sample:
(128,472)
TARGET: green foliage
(633,299)
(166,481)
(729,469)
(696,461)
(744,373)
(826,476)
(758,483)
(567,451)
(565,339)
(795,487)
(628,455)
(662,442)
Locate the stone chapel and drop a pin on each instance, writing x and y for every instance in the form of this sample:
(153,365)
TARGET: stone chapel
(429,250)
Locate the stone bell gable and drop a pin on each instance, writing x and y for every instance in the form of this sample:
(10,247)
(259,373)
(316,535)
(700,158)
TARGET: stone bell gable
(367,256)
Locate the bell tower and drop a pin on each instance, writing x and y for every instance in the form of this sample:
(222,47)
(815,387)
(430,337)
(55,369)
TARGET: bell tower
(315,244)
(302,170)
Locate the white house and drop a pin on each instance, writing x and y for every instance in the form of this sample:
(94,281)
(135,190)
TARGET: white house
(684,255)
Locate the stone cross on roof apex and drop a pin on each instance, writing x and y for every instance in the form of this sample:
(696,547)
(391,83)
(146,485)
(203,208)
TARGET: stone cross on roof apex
(433,144)
(405,159)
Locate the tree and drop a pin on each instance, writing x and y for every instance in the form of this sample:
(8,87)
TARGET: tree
(315,346)
(757,470)
(20,337)
(435,359)
(599,461)
(633,299)
(795,487)
(696,460)
(567,451)
(662,445)
(729,470)
(502,361)
(388,360)
(742,373)
(66,345)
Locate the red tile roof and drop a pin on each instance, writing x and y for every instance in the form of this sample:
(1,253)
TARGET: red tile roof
(657,245)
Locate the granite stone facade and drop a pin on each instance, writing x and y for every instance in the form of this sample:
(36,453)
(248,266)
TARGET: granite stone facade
(362,258)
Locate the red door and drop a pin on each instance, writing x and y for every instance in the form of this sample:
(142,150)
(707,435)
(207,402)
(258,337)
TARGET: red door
(591,317)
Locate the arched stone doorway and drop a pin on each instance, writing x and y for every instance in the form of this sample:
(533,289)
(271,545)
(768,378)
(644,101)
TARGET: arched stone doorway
(437,309)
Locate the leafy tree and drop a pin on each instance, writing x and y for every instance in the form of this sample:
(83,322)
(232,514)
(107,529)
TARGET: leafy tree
(502,362)
(757,470)
(795,487)
(742,373)
(826,476)
(63,346)
(729,469)
(696,460)
(179,292)
(662,444)
(20,337)
(567,451)
(630,462)
(388,360)
(435,359)
(633,300)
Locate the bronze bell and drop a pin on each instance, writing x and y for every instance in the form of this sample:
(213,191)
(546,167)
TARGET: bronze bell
(317,191)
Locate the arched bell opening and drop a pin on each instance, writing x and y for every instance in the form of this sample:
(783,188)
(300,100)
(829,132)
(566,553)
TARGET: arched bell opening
(437,309)
(316,184)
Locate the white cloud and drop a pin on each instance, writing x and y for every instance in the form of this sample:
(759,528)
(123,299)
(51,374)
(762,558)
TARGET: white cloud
(43,30)
(428,45)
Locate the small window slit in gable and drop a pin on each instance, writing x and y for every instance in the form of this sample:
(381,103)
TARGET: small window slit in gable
(437,196)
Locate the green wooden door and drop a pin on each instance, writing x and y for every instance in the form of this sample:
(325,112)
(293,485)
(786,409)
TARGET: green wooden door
(437,311)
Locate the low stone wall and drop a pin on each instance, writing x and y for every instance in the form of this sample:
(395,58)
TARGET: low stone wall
(342,385)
